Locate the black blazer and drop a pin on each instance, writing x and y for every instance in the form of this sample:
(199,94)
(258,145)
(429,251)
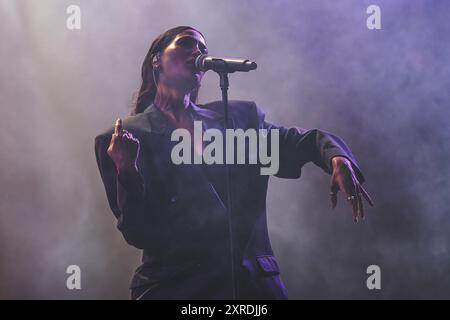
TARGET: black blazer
(177,213)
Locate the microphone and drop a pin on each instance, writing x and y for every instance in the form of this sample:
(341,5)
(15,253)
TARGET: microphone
(223,65)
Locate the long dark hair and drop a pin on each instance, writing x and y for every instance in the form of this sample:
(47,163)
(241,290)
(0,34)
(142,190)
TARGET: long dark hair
(147,92)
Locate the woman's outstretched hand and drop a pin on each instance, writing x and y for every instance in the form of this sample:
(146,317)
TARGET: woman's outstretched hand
(123,149)
(344,179)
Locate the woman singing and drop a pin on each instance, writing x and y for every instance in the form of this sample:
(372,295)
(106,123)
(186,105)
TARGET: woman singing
(177,213)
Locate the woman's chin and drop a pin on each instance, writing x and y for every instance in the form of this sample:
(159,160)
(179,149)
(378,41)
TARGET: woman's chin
(188,82)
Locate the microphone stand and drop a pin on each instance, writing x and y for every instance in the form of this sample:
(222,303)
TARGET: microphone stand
(224,84)
(223,68)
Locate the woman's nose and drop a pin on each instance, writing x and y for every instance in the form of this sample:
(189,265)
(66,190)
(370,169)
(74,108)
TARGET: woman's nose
(197,51)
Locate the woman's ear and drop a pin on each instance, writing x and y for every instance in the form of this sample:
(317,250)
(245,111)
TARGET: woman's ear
(156,61)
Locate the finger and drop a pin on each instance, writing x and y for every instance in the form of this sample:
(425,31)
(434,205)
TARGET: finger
(115,138)
(366,195)
(356,200)
(351,197)
(333,193)
(333,200)
(118,127)
(349,189)
(360,202)
(355,208)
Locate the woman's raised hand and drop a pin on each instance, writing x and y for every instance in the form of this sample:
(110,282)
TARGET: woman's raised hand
(123,149)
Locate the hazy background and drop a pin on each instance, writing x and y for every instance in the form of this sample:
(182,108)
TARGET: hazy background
(385,92)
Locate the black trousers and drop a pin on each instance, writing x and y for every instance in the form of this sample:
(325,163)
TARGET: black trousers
(208,283)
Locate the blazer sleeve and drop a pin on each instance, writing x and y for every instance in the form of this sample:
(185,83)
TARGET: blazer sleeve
(126,197)
(298,146)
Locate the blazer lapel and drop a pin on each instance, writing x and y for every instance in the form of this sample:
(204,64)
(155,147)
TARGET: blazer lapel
(162,130)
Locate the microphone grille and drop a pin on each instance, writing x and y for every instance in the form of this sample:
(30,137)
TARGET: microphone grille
(199,62)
